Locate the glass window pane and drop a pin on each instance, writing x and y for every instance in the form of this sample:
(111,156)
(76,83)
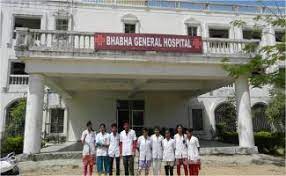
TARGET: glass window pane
(192,31)
(197,115)
(138,118)
(218,33)
(57,120)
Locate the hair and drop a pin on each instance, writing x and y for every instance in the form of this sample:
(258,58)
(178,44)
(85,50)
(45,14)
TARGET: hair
(126,122)
(102,125)
(180,126)
(190,130)
(113,125)
(156,128)
(88,123)
(145,130)
(167,131)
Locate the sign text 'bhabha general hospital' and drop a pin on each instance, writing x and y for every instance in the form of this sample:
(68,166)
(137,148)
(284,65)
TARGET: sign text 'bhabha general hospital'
(147,42)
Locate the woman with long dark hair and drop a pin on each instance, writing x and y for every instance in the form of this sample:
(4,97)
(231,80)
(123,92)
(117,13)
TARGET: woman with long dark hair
(181,152)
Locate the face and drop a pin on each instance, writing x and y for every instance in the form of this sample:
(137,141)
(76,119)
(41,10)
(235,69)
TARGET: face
(145,133)
(114,129)
(157,131)
(189,134)
(180,130)
(126,126)
(89,127)
(102,128)
(167,135)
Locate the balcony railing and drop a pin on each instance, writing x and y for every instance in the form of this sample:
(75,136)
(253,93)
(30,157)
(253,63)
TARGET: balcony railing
(191,5)
(18,79)
(83,42)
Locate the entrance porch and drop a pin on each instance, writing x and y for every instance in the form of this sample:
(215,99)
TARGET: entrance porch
(145,88)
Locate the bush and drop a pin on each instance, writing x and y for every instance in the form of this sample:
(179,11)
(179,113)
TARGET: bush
(269,143)
(12,144)
(229,137)
(266,142)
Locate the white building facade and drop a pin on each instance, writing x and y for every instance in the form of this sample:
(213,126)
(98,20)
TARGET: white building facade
(51,60)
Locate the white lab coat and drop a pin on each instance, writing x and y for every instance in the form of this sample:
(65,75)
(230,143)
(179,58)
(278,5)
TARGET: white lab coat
(157,146)
(113,150)
(145,148)
(193,152)
(88,139)
(168,150)
(102,139)
(181,146)
(127,142)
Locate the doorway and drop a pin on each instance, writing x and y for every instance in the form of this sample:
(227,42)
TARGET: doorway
(131,111)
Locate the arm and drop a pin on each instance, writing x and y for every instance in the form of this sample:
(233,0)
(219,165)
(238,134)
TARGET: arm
(120,148)
(83,136)
(134,144)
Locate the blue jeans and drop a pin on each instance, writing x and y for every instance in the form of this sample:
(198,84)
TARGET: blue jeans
(102,161)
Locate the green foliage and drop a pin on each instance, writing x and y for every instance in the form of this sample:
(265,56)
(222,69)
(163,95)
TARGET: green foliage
(12,144)
(275,111)
(15,126)
(266,142)
(264,59)
(261,67)
(269,143)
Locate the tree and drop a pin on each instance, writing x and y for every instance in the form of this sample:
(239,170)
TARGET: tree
(262,68)
(15,126)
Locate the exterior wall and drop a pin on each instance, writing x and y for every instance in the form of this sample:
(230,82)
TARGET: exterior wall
(101,107)
(160,109)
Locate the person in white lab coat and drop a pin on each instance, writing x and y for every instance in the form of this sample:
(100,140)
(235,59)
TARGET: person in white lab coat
(128,148)
(193,153)
(102,145)
(157,151)
(168,153)
(181,152)
(144,146)
(113,150)
(88,153)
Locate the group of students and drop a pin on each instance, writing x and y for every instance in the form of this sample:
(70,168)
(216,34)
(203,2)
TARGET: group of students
(153,150)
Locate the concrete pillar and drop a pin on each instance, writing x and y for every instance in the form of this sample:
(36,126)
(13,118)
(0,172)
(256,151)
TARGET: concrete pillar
(268,36)
(34,115)
(243,107)
(2,115)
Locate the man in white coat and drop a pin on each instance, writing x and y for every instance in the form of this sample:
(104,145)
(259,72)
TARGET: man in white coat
(168,153)
(157,151)
(113,150)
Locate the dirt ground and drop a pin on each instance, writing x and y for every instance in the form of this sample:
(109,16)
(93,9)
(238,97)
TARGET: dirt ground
(212,165)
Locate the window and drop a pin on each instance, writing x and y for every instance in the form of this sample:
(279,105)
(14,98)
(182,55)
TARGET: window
(197,116)
(17,68)
(57,120)
(260,122)
(218,33)
(251,34)
(62,24)
(129,28)
(279,36)
(192,30)
(27,22)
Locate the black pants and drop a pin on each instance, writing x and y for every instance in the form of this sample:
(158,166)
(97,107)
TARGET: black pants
(169,170)
(117,163)
(128,163)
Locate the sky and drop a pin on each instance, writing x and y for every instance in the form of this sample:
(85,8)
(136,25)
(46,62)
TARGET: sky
(249,2)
